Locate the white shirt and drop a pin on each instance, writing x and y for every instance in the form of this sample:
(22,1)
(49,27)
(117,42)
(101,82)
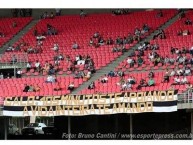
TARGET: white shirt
(19,72)
(50,79)
(179,71)
(187,71)
(37,64)
(172,73)
(77,58)
(177,80)
(81,62)
(129,60)
(191,48)
(105,78)
(28,65)
(184,80)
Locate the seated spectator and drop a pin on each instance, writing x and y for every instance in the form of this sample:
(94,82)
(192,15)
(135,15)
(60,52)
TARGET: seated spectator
(181,59)
(109,41)
(186,32)
(96,35)
(173,73)
(60,57)
(26,88)
(91,42)
(130,61)
(160,34)
(101,41)
(119,40)
(10,48)
(115,49)
(130,38)
(39,38)
(31,88)
(52,15)
(131,80)
(176,81)
(180,72)
(71,86)
(180,32)
(166,77)
(125,41)
(187,71)
(82,13)
(37,66)
(87,76)
(143,83)
(19,73)
(75,45)
(151,82)
(188,21)
(36,88)
(2,34)
(160,14)
(56,47)
(166,60)
(30,50)
(91,86)
(184,80)
(111,74)
(13,59)
(120,73)
(151,74)
(104,79)
(79,74)
(145,28)
(124,86)
(50,79)
(140,61)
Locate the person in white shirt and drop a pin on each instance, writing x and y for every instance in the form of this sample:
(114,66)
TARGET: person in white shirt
(19,72)
(28,66)
(180,72)
(1,76)
(104,79)
(130,61)
(75,45)
(176,81)
(187,71)
(50,79)
(37,66)
(56,47)
(151,56)
(172,73)
(184,80)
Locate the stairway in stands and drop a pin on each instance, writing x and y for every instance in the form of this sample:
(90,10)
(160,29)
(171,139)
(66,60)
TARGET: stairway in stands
(115,63)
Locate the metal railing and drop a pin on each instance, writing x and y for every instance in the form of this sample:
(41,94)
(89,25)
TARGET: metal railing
(186,97)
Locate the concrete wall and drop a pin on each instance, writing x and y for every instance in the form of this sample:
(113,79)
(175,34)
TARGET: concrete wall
(36,12)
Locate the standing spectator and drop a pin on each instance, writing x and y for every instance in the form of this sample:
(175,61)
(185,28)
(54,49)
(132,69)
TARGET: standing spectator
(58,11)
(82,14)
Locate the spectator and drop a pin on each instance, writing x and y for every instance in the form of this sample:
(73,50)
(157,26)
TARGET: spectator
(96,35)
(82,13)
(131,80)
(26,88)
(111,74)
(191,50)
(179,72)
(36,88)
(120,73)
(188,21)
(79,74)
(173,73)
(52,15)
(14,24)
(58,11)
(2,34)
(10,48)
(56,47)
(130,61)
(143,83)
(166,77)
(187,71)
(119,40)
(28,66)
(1,76)
(75,45)
(37,66)
(91,86)
(71,86)
(151,82)
(104,79)
(184,80)
(109,41)
(50,79)
(13,59)
(91,42)
(87,76)
(151,74)
(40,37)
(115,49)
(140,61)
(49,27)
(160,14)
(176,81)
(31,88)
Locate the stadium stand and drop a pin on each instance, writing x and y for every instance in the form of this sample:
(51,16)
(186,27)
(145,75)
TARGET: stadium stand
(72,29)
(11,26)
